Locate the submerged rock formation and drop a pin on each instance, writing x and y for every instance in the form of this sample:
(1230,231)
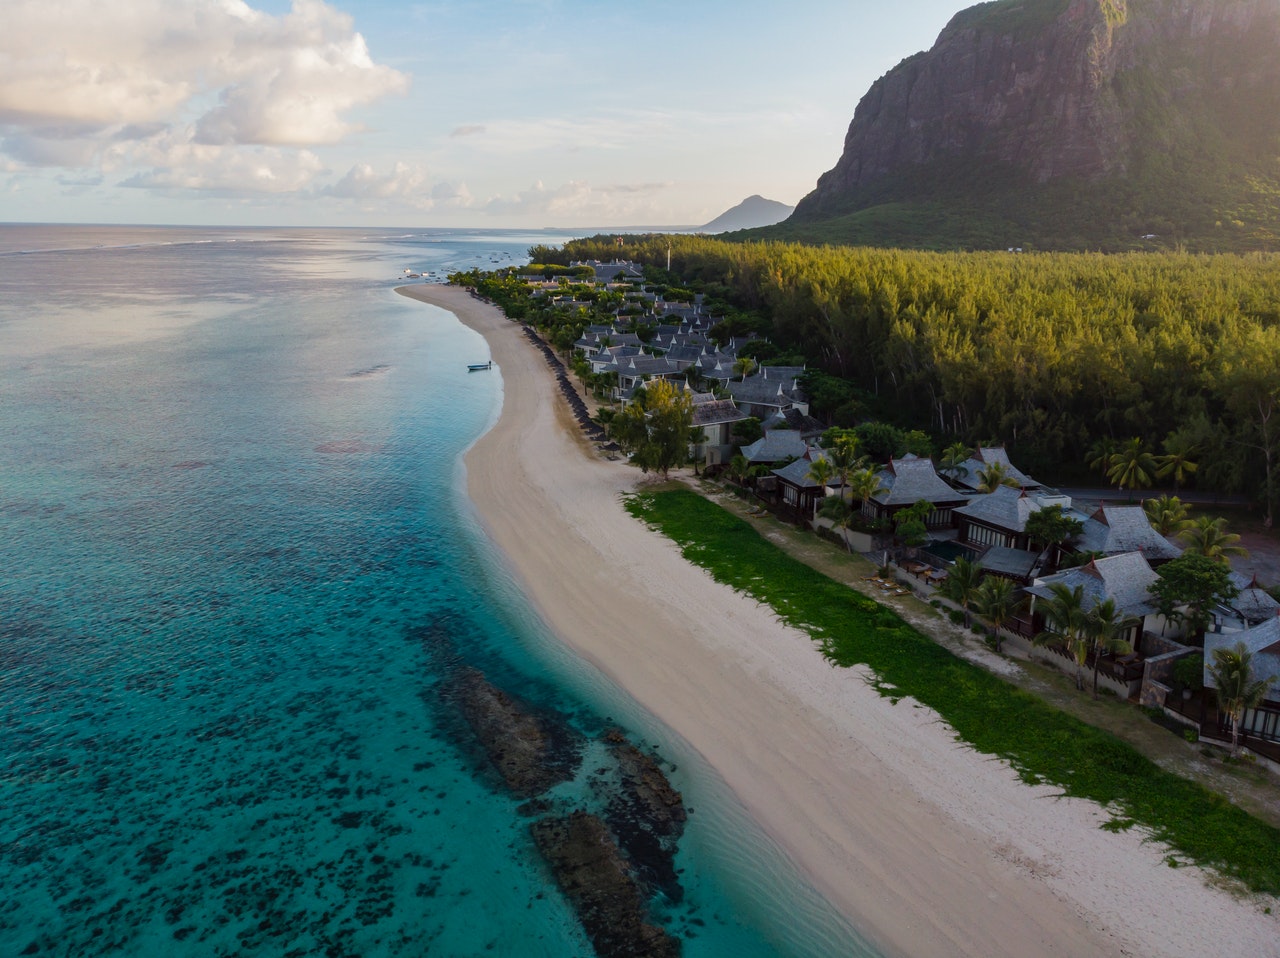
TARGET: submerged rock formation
(607,880)
(647,814)
(530,752)
(593,875)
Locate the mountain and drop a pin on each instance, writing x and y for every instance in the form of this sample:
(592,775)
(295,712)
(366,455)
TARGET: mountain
(752,212)
(1067,124)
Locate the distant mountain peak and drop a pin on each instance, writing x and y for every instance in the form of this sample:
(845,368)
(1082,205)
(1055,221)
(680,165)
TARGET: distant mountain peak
(753,212)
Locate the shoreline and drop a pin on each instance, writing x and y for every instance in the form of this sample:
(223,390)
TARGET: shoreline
(927,847)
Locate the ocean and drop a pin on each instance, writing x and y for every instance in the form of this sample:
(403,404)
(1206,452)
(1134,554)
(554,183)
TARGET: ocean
(241,579)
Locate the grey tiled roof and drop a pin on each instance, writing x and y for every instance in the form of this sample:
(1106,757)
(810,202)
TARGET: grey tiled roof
(797,473)
(717,411)
(1005,561)
(1127,578)
(1262,640)
(910,479)
(1255,605)
(690,353)
(1006,508)
(786,373)
(794,419)
(761,391)
(776,446)
(649,366)
(985,456)
(1115,529)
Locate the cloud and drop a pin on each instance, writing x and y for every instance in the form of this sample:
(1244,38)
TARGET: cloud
(198,166)
(617,131)
(403,186)
(470,129)
(577,200)
(361,182)
(451,195)
(78,79)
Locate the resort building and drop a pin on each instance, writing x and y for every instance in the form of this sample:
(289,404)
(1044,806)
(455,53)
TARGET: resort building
(968,474)
(905,482)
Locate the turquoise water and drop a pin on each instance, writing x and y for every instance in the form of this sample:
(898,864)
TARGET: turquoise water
(239,572)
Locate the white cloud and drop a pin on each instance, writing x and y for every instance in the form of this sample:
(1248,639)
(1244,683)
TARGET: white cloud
(198,166)
(361,182)
(618,131)
(451,195)
(404,186)
(577,201)
(80,83)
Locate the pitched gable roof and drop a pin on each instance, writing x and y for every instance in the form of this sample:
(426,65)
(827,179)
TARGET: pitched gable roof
(985,456)
(1127,578)
(715,412)
(1262,640)
(797,473)
(1116,529)
(776,446)
(910,479)
(1006,508)
(1254,604)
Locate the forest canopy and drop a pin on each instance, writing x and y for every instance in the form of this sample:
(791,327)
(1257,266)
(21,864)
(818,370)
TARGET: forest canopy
(1046,352)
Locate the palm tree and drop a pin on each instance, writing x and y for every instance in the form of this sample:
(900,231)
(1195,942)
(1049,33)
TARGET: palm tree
(743,366)
(1209,537)
(1105,627)
(1065,625)
(841,514)
(1177,461)
(844,458)
(997,600)
(864,484)
(1099,455)
(1133,466)
(738,468)
(1237,689)
(953,460)
(821,471)
(993,477)
(697,437)
(961,586)
(1167,515)
(1051,528)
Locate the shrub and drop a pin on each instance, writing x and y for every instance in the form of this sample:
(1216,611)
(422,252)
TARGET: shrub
(956,616)
(1191,735)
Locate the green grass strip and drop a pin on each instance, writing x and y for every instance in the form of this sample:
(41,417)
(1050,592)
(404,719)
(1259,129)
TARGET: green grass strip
(1043,744)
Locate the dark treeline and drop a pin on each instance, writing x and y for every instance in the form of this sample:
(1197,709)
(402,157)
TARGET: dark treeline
(1046,352)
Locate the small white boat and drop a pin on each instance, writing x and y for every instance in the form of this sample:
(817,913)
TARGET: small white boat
(477,367)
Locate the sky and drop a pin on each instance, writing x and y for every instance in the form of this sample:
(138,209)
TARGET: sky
(485,113)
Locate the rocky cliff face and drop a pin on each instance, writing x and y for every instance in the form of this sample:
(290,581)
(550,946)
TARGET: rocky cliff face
(1092,90)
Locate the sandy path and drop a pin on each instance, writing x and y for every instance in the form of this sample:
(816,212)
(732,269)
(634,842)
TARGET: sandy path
(929,848)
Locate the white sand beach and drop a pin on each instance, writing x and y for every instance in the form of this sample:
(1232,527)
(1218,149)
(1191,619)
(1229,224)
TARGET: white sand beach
(928,847)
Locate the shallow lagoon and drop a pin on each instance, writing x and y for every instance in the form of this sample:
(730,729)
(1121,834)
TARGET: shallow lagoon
(239,568)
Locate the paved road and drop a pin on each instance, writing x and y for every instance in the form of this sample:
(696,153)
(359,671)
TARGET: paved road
(1113,496)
